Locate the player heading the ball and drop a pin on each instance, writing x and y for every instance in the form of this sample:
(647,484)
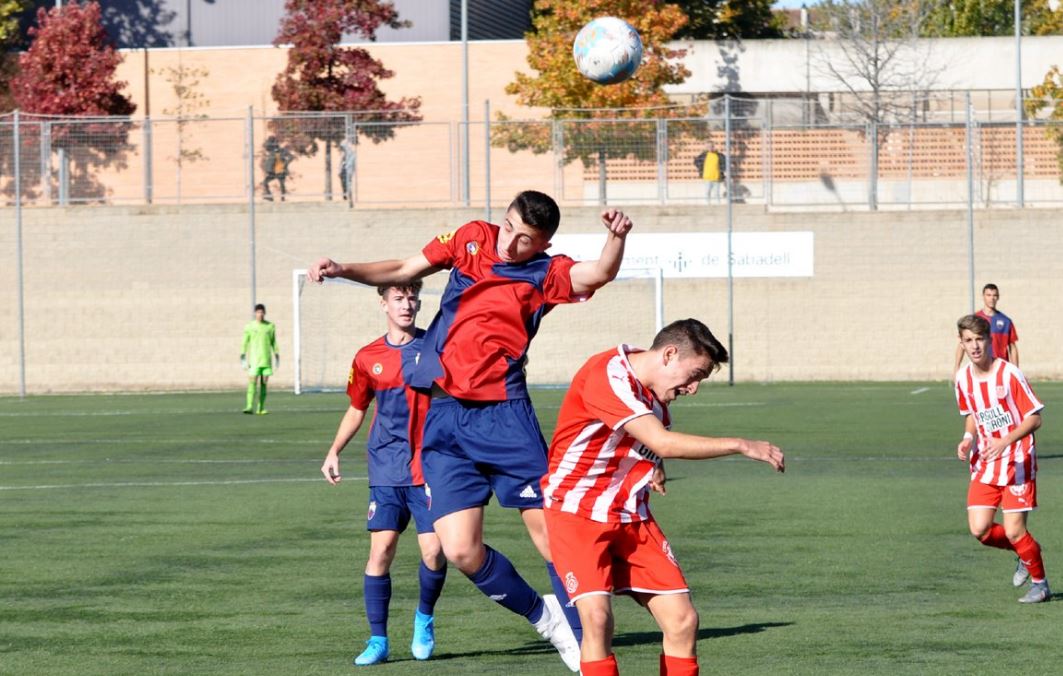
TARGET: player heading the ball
(1001,414)
(607,452)
(481,435)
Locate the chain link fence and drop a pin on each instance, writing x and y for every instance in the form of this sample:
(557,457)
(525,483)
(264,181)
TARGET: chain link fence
(783,153)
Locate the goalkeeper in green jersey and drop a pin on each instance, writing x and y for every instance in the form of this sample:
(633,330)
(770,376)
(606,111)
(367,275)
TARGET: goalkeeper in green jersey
(259,355)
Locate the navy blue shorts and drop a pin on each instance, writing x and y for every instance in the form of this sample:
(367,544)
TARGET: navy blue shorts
(472,449)
(390,508)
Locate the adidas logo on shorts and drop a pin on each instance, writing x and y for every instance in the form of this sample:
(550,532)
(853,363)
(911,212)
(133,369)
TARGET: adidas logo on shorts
(528,492)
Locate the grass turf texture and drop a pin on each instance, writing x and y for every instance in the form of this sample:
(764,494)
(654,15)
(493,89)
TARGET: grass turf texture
(171,534)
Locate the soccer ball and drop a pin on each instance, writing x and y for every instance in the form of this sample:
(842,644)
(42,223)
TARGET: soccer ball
(607,50)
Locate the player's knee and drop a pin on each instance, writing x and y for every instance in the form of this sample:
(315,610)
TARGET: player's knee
(1014,532)
(596,621)
(682,626)
(432,556)
(465,556)
(978,531)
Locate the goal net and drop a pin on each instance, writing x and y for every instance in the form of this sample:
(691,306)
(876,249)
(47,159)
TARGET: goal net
(333,320)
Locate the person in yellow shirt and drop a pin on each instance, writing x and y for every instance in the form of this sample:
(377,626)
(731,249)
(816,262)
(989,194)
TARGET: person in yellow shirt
(259,356)
(712,167)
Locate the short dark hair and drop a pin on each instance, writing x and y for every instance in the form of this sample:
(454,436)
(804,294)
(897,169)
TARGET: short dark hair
(990,287)
(260,306)
(538,210)
(412,287)
(979,326)
(690,335)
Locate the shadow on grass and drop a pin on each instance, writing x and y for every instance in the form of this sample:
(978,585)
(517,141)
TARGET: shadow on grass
(654,637)
(1054,456)
(628,639)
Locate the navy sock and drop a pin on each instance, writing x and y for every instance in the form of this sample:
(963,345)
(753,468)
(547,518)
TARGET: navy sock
(377,597)
(562,595)
(431,587)
(500,581)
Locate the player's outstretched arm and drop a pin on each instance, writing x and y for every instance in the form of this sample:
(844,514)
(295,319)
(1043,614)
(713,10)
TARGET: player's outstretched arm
(667,444)
(588,276)
(349,426)
(396,271)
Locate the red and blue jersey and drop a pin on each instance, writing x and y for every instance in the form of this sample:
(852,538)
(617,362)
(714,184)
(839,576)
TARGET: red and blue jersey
(1001,331)
(477,345)
(381,371)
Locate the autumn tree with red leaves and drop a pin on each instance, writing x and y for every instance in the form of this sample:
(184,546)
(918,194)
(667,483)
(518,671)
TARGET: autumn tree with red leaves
(69,70)
(321,76)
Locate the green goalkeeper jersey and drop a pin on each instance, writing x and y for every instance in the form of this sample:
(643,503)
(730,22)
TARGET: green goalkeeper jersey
(260,344)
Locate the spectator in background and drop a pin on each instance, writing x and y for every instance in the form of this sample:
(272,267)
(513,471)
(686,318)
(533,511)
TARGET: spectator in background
(275,164)
(712,167)
(347,164)
(1002,330)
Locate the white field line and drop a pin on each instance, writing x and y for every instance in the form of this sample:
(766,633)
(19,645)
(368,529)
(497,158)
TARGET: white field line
(161,411)
(148,439)
(164,484)
(921,390)
(162,461)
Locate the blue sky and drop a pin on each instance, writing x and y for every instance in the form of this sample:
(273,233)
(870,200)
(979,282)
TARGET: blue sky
(792,4)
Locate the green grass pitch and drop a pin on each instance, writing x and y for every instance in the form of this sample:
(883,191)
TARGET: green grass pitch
(168,534)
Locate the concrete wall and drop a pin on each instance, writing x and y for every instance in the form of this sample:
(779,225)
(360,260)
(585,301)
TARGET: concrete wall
(155,298)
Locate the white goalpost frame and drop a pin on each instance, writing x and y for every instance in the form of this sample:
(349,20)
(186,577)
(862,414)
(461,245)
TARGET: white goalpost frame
(299,277)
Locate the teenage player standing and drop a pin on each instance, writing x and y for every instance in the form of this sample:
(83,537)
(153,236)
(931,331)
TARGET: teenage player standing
(1005,339)
(612,433)
(1001,412)
(481,434)
(380,371)
(258,354)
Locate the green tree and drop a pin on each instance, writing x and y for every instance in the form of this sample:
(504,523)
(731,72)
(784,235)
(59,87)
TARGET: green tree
(729,19)
(965,18)
(1046,102)
(559,86)
(11,12)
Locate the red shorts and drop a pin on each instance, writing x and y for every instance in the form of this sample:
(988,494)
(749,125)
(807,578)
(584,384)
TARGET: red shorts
(1017,498)
(606,558)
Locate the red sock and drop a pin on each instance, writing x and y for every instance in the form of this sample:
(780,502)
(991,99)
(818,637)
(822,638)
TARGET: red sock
(1030,554)
(606,667)
(679,666)
(995,537)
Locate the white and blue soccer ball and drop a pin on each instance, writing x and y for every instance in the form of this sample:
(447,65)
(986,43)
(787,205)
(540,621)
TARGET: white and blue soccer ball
(607,50)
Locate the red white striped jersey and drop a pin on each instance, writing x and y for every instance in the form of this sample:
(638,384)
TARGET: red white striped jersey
(999,404)
(596,469)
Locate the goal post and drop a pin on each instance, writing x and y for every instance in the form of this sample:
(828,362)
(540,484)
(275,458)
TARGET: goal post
(331,321)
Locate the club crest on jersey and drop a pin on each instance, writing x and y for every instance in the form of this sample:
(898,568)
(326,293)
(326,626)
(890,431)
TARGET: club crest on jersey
(378,368)
(1001,391)
(473,248)
(1017,490)
(1000,323)
(372,511)
(571,583)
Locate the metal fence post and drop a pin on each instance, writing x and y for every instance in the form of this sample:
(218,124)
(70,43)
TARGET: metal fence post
(872,182)
(558,137)
(18,255)
(149,188)
(46,163)
(765,151)
(251,196)
(728,178)
(662,160)
(970,201)
(487,160)
(64,178)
